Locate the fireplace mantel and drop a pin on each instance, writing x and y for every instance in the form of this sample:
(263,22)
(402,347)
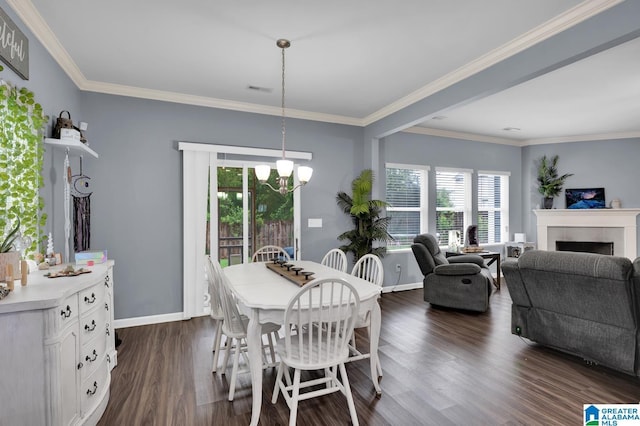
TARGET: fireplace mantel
(624,219)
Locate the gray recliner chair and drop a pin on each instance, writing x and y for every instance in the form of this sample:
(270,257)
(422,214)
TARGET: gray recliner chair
(462,282)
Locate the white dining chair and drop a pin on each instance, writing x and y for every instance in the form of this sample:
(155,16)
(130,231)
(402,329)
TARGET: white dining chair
(368,267)
(213,279)
(323,313)
(235,328)
(336,259)
(267,253)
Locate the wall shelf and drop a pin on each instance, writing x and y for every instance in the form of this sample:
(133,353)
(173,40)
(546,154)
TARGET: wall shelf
(75,146)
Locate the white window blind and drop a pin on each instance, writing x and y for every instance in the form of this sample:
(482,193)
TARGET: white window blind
(453,202)
(406,194)
(493,207)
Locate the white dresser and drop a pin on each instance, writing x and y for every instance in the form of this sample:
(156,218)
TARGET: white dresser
(57,349)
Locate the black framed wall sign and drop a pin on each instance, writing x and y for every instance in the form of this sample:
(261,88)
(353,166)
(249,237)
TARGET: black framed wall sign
(14,46)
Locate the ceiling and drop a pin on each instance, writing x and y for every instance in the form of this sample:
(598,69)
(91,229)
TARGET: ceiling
(595,98)
(350,62)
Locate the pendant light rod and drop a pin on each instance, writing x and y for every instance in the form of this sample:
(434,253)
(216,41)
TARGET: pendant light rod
(284,166)
(283,44)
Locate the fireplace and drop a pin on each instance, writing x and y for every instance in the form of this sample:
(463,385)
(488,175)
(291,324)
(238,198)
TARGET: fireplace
(617,226)
(598,247)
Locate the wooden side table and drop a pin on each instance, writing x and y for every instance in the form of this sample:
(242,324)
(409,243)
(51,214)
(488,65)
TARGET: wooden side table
(491,256)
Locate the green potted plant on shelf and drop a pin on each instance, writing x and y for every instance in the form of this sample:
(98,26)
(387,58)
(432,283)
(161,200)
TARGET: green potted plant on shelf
(549,182)
(8,254)
(366,214)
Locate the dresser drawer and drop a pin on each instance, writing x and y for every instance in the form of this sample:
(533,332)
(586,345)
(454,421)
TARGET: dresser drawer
(108,307)
(91,298)
(68,311)
(60,317)
(93,324)
(108,281)
(93,388)
(92,355)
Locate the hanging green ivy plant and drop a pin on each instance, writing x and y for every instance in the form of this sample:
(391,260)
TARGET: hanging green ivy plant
(21,157)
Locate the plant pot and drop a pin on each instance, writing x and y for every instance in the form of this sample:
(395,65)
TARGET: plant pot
(10,258)
(547,202)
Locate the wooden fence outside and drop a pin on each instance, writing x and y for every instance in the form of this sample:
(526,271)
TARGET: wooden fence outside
(278,233)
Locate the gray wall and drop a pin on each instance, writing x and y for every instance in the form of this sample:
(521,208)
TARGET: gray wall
(408,148)
(136,182)
(611,164)
(137,199)
(55,92)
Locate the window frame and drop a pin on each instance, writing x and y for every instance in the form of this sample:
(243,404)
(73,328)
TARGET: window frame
(504,202)
(467,210)
(423,209)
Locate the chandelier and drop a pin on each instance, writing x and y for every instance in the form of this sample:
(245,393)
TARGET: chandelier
(284,166)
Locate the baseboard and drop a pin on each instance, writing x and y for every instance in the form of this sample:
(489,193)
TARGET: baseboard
(157,319)
(401,287)
(151,319)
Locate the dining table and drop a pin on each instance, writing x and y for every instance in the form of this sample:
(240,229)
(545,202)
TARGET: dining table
(263,295)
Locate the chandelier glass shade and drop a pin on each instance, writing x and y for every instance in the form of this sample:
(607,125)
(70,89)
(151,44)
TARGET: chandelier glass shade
(262,172)
(283,166)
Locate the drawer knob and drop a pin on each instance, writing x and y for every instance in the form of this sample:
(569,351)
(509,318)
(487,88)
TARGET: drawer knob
(92,327)
(94,390)
(93,358)
(80,365)
(66,313)
(106,306)
(93,298)
(106,281)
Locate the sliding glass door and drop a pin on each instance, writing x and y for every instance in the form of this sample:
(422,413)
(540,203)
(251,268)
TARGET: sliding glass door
(228,214)
(249,215)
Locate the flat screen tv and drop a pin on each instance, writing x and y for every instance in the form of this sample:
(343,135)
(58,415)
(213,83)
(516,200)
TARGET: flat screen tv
(585,198)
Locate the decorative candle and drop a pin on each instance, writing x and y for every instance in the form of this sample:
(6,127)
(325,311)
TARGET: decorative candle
(9,276)
(24,270)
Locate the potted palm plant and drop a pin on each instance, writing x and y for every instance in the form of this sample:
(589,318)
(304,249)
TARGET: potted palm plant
(549,182)
(368,224)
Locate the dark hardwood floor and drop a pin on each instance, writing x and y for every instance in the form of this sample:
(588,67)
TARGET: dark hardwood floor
(441,367)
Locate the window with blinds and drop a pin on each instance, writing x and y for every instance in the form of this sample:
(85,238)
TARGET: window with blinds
(453,203)
(493,204)
(406,195)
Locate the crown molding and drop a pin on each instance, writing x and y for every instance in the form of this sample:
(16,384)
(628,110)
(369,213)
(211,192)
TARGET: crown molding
(419,130)
(583,138)
(181,98)
(34,21)
(562,22)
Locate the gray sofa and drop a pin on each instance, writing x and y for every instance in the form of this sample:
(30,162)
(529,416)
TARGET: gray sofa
(580,303)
